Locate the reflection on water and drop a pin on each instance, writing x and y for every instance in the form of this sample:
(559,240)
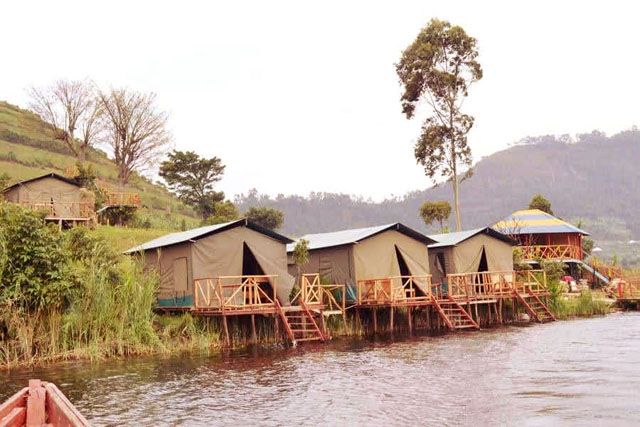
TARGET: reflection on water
(581,372)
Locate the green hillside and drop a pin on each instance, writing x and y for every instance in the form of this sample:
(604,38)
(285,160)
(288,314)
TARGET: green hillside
(27,149)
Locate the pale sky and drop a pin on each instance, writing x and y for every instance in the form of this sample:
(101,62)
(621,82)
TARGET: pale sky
(303,96)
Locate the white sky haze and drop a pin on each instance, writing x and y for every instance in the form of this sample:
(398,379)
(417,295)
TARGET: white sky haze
(303,96)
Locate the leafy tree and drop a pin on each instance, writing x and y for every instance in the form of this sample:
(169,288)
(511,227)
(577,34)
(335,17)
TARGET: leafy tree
(587,245)
(438,69)
(538,201)
(192,178)
(435,211)
(35,272)
(301,255)
(267,217)
(222,212)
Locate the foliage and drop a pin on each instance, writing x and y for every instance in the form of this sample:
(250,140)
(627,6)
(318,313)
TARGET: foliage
(587,245)
(35,275)
(584,305)
(438,68)
(192,178)
(518,260)
(266,217)
(4,180)
(223,212)
(538,201)
(435,211)
(119,215)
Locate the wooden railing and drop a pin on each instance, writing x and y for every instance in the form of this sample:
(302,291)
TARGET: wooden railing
(229,293)
(62,209)
(607,270)
(531,281)
(395,289)
(480,285)
(556,252)
(628,288)
(122,199)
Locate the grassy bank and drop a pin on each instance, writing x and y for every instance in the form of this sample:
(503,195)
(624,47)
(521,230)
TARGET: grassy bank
(584,305)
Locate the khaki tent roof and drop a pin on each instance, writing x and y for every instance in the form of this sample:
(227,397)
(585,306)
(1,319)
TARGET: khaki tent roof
(452,239)
(347,237)
(197,233)
(46,175)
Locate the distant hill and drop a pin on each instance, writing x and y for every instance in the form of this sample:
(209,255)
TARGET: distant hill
(595,179)
(27,149)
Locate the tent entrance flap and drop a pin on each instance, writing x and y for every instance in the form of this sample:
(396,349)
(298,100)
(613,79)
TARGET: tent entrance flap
(414,268)
(250,265)
(284,281)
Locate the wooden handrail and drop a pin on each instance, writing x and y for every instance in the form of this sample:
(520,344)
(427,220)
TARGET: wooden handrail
(393,289)
(218,293)
(532,252)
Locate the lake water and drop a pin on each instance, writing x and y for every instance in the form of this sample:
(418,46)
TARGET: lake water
(579,372)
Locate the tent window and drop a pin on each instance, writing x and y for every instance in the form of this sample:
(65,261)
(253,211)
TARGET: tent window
(180,276)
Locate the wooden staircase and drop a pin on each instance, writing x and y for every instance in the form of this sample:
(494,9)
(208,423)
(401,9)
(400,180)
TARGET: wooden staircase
(453,314)
(535,307)
(300,324)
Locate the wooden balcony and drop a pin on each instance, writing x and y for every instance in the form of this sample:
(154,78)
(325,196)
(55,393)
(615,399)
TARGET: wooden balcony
(77,211)
(480,286)
(398,290)
(235,295)
(551,252)
(122,199)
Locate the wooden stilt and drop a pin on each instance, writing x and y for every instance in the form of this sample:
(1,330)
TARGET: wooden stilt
(276,319)
(391,320)
(226,330)
(254,334)
(375,320)
(410,319)
(358,320)
(477,317)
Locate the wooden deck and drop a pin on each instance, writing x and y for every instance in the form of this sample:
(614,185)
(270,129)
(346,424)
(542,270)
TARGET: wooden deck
(461,290)
(303,320)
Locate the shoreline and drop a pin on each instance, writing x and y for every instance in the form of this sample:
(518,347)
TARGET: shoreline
(196,346)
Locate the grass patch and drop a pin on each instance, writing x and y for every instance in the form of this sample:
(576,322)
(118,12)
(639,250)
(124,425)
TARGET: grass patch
(584,305)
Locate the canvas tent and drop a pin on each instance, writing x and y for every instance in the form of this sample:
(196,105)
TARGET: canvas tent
(237,248)
(60,197)
(365,253)
(470,251)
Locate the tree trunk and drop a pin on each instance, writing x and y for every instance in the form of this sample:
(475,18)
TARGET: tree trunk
(456,187)
(82,155)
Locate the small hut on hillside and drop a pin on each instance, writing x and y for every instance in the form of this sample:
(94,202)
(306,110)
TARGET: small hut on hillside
(541,235)
(229,250)
(63,200)
(470,251)
(349,256)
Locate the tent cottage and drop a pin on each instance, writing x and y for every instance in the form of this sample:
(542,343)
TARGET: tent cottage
(470,251)
(237,248)
(62,198)
(350,256)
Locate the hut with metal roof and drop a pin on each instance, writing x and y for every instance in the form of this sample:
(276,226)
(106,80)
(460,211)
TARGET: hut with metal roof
(233,249)
(542,235)
(350,256)
(62,199)
(469,251)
